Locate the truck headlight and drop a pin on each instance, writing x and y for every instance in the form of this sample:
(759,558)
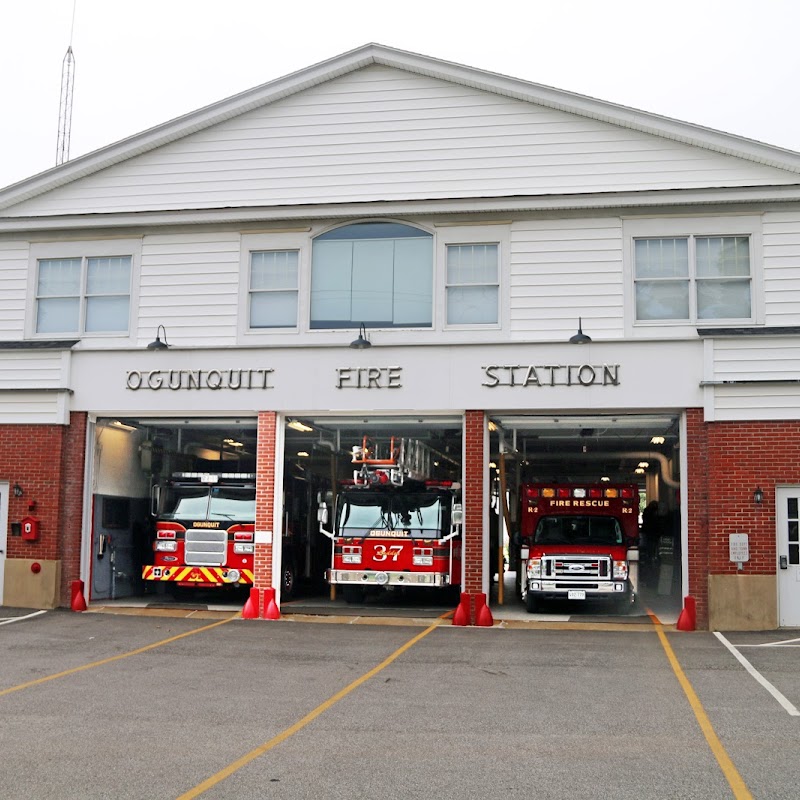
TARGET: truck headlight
(243,549)
(351,554)
(535,568)
(167,547)
(422,557)
(621,570)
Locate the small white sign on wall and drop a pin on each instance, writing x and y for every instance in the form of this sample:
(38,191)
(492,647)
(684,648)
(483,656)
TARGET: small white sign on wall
(739,545)
(263,537)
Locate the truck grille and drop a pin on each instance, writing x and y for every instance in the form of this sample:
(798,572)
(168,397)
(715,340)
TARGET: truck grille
(577,567)
(205,547)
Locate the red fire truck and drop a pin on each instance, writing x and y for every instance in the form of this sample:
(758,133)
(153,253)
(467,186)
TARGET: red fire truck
(578,542)
(204,526)
(391,527)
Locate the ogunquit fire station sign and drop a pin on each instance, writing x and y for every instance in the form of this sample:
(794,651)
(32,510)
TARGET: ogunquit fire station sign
(494,375)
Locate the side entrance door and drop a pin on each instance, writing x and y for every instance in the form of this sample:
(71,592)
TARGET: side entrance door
(3,533)
(788,518)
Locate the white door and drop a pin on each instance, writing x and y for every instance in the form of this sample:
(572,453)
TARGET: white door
(788,513)
(3,533)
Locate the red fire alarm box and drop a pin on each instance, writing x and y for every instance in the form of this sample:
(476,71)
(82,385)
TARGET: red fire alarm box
(30,528)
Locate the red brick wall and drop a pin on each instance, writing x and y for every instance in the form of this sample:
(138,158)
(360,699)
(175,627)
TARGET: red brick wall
(727,461)
(47,461)
(475,466)
(265,496)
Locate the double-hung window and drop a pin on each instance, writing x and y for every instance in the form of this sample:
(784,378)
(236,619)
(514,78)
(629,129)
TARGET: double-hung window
(83,294)
(472,284)
(376,273)
(273,288)
(696,276)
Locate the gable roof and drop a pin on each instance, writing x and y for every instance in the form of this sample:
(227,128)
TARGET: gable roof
(546,96)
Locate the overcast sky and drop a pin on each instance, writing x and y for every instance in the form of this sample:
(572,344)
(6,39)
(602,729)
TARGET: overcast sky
(733,65)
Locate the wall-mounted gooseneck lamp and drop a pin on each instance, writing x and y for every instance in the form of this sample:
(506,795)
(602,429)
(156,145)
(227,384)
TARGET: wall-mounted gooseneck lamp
(580,337)
(158,344)
(362,343)
(758,496)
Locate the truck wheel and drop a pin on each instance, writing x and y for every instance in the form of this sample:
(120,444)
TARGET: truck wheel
(531,602)
(287,583)
(353,594)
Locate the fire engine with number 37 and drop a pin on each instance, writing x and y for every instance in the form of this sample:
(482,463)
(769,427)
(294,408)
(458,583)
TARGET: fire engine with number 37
(578,542)
(392,527)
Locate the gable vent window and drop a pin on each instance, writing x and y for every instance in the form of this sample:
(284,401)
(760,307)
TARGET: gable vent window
(693,278)
(83,295)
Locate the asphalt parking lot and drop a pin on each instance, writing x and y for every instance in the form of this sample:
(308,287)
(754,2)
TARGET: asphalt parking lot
(113,705)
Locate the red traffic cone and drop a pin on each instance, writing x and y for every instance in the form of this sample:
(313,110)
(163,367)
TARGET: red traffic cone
(271,610)
(250,610)
(687,620)
(461,615)
(483,616)
(78,600)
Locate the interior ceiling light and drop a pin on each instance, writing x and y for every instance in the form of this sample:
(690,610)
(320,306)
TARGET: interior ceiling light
(302,454)
(115,423)
(492,426)
(295,424)
(605,479)
(232,443)
(657,440)
(644,464)
(639,471)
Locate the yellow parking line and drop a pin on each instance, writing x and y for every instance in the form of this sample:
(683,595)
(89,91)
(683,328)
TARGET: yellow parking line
(114,658)
(310,717)
(735,781)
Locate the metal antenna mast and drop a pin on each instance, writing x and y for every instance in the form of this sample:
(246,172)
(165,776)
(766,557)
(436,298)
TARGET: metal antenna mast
(65,104)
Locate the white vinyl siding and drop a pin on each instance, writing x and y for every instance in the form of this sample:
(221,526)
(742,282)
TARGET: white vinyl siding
(34,387)
(562,269)
(14,280)
(190,285)
(782,268)
(384,134)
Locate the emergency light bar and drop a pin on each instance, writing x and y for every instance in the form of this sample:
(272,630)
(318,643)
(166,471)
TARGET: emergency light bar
(214,477)
(567,492)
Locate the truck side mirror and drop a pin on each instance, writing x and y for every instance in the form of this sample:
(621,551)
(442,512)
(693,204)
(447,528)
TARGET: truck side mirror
(458,514)
(322,515)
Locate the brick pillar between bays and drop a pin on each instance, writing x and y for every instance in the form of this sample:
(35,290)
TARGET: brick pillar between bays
(473,498)
(265,498)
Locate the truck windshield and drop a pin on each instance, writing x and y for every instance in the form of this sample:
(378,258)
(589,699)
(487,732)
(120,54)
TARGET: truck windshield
(419,515)
(237,504)
(578,530)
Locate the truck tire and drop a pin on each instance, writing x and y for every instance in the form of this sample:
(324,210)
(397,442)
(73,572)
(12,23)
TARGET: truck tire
(287,582)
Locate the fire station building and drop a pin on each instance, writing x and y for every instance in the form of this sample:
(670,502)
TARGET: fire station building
(536,284)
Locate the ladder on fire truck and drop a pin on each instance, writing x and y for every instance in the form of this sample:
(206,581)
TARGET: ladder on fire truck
(404,459)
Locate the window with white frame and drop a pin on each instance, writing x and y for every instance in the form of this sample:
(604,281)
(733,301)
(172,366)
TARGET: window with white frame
(273,288)
(83,294)
(472,284)
(693,277)
(376,273)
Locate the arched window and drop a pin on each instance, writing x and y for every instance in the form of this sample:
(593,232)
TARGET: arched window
(376,273)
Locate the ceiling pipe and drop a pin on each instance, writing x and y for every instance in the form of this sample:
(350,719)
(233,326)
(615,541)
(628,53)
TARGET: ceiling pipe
(644,455)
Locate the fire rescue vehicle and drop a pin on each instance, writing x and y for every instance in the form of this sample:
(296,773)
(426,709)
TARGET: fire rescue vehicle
(392,527)
(578,542)
(204,528)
